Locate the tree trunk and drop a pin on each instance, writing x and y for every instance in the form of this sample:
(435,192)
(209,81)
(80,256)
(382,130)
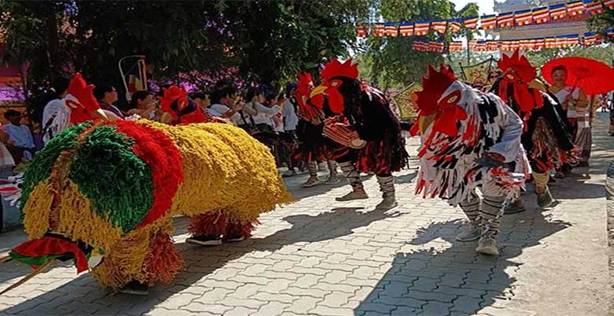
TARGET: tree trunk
(53,46)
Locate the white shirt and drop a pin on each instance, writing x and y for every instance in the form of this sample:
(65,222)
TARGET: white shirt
(562,95)
(289,115)
(218,110)
(264,114)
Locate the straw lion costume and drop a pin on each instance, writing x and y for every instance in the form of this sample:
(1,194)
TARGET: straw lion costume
(105,194)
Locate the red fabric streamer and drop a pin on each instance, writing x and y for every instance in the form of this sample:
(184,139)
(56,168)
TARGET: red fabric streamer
(197,116)
(220,223)
(163,262)
(159,152)
(209,224)
(50,245)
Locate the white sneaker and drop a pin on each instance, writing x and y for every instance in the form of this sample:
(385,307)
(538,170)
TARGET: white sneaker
(354,195)
(236,239)
(470,233)
(487,246)
(205,240)
(389,202)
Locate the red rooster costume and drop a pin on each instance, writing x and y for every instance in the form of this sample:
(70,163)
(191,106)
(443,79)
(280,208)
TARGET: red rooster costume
(545,134)
(313,146)
(469,139)
(181,109)
(363,121)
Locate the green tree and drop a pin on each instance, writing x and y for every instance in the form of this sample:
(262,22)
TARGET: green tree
(266,40)
(601,23)
(391,62)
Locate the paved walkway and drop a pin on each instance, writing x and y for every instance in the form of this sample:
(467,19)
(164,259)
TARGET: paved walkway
(321,257)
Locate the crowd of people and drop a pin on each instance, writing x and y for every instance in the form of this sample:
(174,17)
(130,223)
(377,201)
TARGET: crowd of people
(514,129)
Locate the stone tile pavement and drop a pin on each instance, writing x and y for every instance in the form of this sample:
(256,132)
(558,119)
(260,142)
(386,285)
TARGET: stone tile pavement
(321,257)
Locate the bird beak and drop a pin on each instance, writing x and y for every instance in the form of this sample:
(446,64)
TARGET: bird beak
(536,84)
(317,90)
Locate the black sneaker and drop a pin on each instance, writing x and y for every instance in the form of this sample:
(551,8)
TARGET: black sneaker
(205,240)
(135,288)
(514,207)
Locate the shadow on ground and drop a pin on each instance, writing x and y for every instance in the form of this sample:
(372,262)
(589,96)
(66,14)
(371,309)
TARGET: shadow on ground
(438,282)
(84,292)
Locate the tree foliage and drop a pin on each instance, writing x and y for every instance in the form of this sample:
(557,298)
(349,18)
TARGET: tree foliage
(601,23)
(268,41)
(391,62)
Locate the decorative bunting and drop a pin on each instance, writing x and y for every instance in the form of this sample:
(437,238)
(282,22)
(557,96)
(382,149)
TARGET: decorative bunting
(380,30)
(541,15)
(550,42)
(456,46)
(471,23)
(558,11)
(361,31)
(435,47)
(523,18)
(421,28)
(475,46)
(594,7)
(419,46)
(391,29)
(505,20)
(575,9)
(406,29)
(454,26)
(439,26)
(488,22)
(562,41)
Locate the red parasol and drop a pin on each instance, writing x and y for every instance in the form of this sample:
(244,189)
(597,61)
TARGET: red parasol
(592,76)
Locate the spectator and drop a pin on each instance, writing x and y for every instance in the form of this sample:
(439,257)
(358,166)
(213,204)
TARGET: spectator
(53,108)
(20,136)
(226,105)
(201,99)
(262,115)
(143,105)
(289,110)
(106,96)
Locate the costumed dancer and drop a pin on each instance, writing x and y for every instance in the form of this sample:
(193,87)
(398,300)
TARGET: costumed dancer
(470,139)
(313,146)
(105,194)
(366,125)
(544,137)
(179,109)
(72,106)
(182,110)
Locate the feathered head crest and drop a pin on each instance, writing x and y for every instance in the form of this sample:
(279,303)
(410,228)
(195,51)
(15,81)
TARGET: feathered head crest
(434,84)
(518,73)
(86,102)
(303,90)
(335,68)
(443,111)
(520,66)
(170,95)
